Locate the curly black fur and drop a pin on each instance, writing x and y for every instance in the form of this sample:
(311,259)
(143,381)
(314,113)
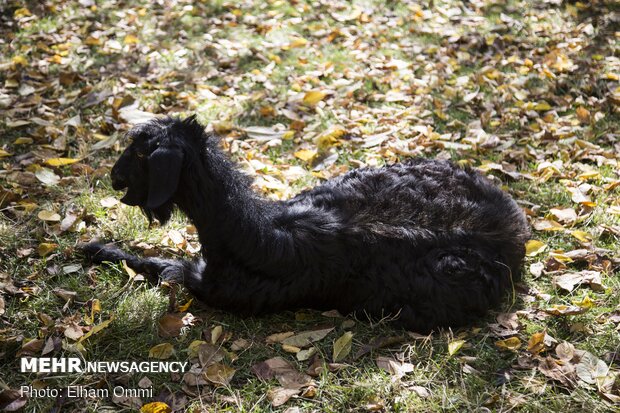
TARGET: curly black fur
(434,243)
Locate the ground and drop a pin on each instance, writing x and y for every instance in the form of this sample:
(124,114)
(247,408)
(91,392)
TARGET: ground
(300,91)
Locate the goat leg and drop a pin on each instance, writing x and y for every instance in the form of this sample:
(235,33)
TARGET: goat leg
(173,270)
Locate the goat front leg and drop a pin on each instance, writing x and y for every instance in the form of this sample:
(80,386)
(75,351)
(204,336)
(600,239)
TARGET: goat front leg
(172,270)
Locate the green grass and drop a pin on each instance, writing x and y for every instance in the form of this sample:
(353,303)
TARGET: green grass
(186,47)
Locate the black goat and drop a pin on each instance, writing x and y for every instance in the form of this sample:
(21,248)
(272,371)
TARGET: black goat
(428,241)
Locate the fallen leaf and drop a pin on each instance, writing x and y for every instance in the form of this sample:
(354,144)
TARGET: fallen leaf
(536,343)
(306,338)
(570,280)
(47,177)
(283,371)
(342,347)
(161,351)
(534,247)
(305,155)
(155,407)
(61,161)
(454,346)
(49,216)
(97,328)
(510,344)
(313,97)
(394,367)
(219,374)
(280,395)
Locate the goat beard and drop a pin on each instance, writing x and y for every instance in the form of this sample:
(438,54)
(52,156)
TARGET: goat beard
(161,213)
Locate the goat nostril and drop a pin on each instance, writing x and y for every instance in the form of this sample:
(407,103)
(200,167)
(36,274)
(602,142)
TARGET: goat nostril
(118,183)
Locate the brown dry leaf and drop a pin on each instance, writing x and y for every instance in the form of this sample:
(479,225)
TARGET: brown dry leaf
(161,351)
(394,367)
(209,354)
(170,324)
(31,347)
(283,371)
(219,374)
(557,370)
(66,295)
(377,343)
(280,395)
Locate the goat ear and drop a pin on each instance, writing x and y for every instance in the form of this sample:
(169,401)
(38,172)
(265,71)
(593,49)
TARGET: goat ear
(164,173)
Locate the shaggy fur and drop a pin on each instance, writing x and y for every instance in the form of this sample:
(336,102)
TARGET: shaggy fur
(434,243)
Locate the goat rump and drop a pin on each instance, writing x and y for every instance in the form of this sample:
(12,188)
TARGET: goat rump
(425,241)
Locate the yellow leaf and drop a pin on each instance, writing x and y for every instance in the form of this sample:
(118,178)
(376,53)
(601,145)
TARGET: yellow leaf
(542,106)
(536,343)
(583,114)
(313,97)
(129,270)
(61,161)
(156,407)
(586,303)
(92,41)
(611,76)
(130,39)
(45,248)
(454,346)
(297,42)
(534,247)
(23,141)
(97,329)
(216,333)
(288,135)
(305,155)
(161,351)
(342,347)
(511,344)
(4,153)
(19,60)
(330,138)
(185,306)
(21,12)
(582,236)
(48,216)
(194,348)
(290,349)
